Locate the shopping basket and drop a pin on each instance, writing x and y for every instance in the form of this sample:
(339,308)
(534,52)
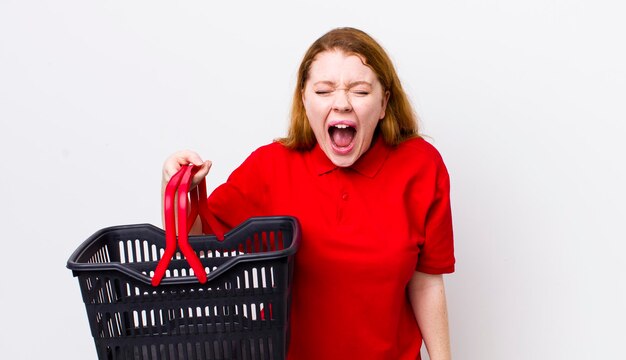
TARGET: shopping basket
(238,308)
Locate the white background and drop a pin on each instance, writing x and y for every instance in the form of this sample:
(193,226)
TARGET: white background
(524,99)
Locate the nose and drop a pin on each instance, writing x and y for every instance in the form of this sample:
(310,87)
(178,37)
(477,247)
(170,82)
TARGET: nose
(341,101)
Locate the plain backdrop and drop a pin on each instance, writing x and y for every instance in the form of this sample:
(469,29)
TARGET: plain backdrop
(524,99)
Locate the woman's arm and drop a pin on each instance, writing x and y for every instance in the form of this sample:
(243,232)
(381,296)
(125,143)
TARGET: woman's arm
(428,298)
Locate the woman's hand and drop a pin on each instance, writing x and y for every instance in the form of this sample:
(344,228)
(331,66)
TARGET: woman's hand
(182,158)
(171,166)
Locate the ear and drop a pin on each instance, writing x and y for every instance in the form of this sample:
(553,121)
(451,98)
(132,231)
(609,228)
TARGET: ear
(384,104)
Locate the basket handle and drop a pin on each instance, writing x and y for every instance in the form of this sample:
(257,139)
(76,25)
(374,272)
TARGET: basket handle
(199,206)
(180,183)
(169,220)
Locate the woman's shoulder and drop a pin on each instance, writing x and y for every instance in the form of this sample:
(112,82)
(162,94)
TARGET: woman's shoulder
(275,148)
(418,148)
(418,157)
(272,152)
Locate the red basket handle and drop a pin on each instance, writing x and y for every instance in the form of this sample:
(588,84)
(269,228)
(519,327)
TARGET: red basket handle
(180,183)
(199,206)
(169,223)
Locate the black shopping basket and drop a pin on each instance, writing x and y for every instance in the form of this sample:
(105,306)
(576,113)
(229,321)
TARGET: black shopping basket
(241,311)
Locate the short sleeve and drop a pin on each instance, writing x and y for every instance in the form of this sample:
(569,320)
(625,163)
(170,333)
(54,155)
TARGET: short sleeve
(437,251)
(242,195)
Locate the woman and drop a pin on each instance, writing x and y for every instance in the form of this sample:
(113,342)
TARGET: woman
(372,198)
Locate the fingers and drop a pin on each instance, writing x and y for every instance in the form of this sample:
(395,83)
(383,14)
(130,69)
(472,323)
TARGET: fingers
(181,158)
(202,173)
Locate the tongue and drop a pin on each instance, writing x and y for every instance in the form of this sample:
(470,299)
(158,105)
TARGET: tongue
(343,137)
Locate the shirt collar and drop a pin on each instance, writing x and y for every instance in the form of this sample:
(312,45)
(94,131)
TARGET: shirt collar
(368,164)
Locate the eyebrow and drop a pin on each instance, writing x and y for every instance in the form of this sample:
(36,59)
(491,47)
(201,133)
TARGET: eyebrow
(350,85)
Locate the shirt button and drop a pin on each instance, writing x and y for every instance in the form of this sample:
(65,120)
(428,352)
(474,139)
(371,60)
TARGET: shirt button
(344,196)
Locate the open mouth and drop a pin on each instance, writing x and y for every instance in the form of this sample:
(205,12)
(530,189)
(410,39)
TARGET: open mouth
(342,136)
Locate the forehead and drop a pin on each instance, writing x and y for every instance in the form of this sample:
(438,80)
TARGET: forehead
(339,67)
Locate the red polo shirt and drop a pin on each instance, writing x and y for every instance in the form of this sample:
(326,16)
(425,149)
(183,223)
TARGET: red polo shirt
(365,230)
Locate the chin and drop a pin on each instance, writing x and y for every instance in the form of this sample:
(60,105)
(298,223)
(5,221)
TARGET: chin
(342,161)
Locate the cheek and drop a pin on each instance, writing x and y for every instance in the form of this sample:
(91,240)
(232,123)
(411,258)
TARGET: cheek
(370,112)
(316,111)
(315,117)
